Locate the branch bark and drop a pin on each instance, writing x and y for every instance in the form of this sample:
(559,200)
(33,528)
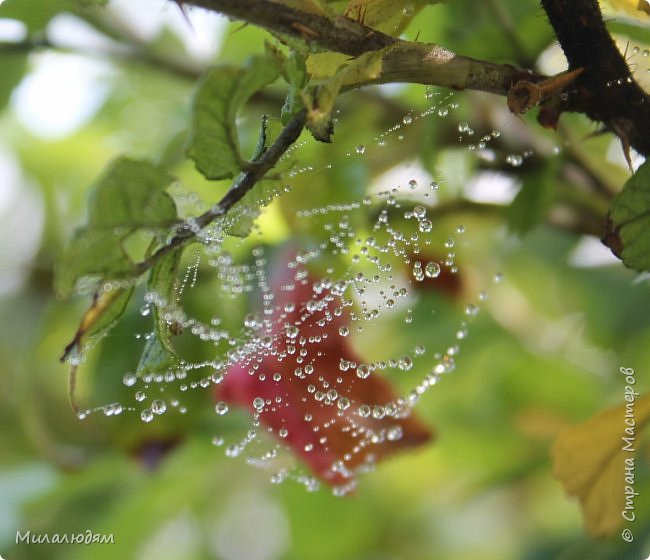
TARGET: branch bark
(405,61)
(605,90)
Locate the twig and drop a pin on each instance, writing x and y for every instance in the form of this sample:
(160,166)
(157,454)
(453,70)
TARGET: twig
(240,187)
(406,61)
(605,91)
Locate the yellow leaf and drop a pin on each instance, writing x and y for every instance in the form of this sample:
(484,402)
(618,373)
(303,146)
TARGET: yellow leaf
(639,9)
(389,16)
(589,461)
(321,66)
(319,101)
(310,6)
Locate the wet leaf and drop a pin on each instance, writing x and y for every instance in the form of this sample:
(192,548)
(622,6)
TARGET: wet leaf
(589,461)
(629,219)
(389,16)
(213,142)
(315,405)
(128,198)
(159,353)
(107,307)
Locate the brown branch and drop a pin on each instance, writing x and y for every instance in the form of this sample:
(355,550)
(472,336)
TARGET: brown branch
(605,90)
(240,187)
(405,61)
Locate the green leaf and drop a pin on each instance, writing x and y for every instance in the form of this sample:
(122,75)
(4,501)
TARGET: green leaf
(389,16)
(296,72)
(159,353)
(12,70)
(128,198)
(213,142)
(628,222)
(36,14)
(533,200)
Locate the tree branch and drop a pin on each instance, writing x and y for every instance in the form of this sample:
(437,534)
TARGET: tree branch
(240,187)
(405,61)
(605,90)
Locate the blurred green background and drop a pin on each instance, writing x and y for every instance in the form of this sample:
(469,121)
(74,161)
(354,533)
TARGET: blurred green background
(78,88)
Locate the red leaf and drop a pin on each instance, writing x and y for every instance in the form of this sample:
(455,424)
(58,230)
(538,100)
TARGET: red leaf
(314,401)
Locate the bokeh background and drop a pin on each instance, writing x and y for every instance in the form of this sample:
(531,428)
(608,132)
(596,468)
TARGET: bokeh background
(79,87)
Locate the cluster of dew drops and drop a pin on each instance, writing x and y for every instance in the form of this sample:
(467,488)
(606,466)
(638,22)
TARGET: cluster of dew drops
(371,288)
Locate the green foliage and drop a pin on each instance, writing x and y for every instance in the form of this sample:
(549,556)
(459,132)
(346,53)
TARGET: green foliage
(129,198)
(629,220)
(36,14)
(12,69)
(214,142)
(158,354)
(530,207)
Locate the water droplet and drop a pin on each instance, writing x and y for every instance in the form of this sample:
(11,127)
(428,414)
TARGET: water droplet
(394,434)
(408,119)
(363,371)
(344,331)
(432,270)
(378,412)
(405,363)
(464,128)
(233,451)
(419,211)
(221,408)
(158,406)
(471,310)
(425,226)
(258,404)
(217,441)
(146,415)
(129,379)
(140,396)
(292,331)
(360,149)
(343,403)
(514,159)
